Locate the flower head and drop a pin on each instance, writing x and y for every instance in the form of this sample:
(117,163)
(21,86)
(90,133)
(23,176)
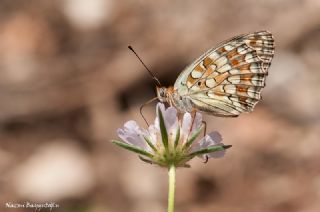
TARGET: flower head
(171,139)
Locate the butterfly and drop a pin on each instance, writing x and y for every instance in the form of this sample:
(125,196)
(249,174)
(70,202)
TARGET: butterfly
(226,80)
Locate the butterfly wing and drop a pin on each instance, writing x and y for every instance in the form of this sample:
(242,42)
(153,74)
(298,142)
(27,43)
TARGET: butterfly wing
(227,80)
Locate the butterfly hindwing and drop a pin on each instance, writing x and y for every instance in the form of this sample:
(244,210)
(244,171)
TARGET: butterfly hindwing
(227,80)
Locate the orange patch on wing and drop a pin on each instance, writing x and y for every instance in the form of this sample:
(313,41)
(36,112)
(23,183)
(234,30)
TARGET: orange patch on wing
(239,59)
(232,53)
(245,77)
(220,78)
(241,89)
(218,93)
(208,72)
(199,68)
(243,99)
(221,50)
(191,80)
(207,61)
(234,62)
(253,42)
(245,67)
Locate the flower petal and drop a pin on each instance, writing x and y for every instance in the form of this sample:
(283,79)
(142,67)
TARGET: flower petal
(186,124)
(217,154)
(162,109)
(197,122)
(212,139)
(153,134)
(132,134)
(170,118)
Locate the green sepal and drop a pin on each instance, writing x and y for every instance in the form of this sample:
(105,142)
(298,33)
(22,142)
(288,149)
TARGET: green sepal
(176,140)
(209,149)
(193,137)
(164,133)
(150,144)
(132,148)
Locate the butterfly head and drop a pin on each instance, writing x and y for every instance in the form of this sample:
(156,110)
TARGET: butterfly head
(164,94)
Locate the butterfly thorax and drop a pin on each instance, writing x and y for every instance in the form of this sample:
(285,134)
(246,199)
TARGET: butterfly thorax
(171,96)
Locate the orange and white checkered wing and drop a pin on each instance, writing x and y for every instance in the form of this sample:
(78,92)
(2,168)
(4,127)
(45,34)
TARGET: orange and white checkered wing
(227,80)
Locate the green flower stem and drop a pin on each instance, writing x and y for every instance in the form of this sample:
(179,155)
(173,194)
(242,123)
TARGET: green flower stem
(172,183)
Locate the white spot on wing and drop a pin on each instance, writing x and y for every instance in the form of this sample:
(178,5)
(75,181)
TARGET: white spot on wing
(236,104)
(214,55)
(211,94)
(254,67)
(225,98)
(234,71)
(248,57)
(214,74)
(251,92)
(213,67)
(254,80)
(224,68)
(196,74)
(210,83)
(230,89)
(228,47)
(235,79)
(221,61)
(259,42)
(241,50)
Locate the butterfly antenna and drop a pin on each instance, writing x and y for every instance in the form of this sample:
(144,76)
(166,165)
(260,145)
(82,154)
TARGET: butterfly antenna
(151,74)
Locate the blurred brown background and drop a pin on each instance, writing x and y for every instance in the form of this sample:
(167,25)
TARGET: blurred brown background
(68,81)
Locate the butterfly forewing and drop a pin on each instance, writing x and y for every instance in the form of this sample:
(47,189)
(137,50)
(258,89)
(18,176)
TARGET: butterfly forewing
(227,80)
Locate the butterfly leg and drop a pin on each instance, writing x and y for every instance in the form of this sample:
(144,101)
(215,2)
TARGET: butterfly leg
(206,159)
(193,116)
(145,160)
(205,128)
(142,106)
(204,134)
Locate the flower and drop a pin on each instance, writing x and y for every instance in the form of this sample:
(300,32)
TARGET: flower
(170,140)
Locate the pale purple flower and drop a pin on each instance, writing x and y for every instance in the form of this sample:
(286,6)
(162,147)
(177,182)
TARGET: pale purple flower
(171,140)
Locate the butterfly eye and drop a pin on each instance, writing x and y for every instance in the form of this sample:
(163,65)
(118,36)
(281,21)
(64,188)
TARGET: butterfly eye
(162,93)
